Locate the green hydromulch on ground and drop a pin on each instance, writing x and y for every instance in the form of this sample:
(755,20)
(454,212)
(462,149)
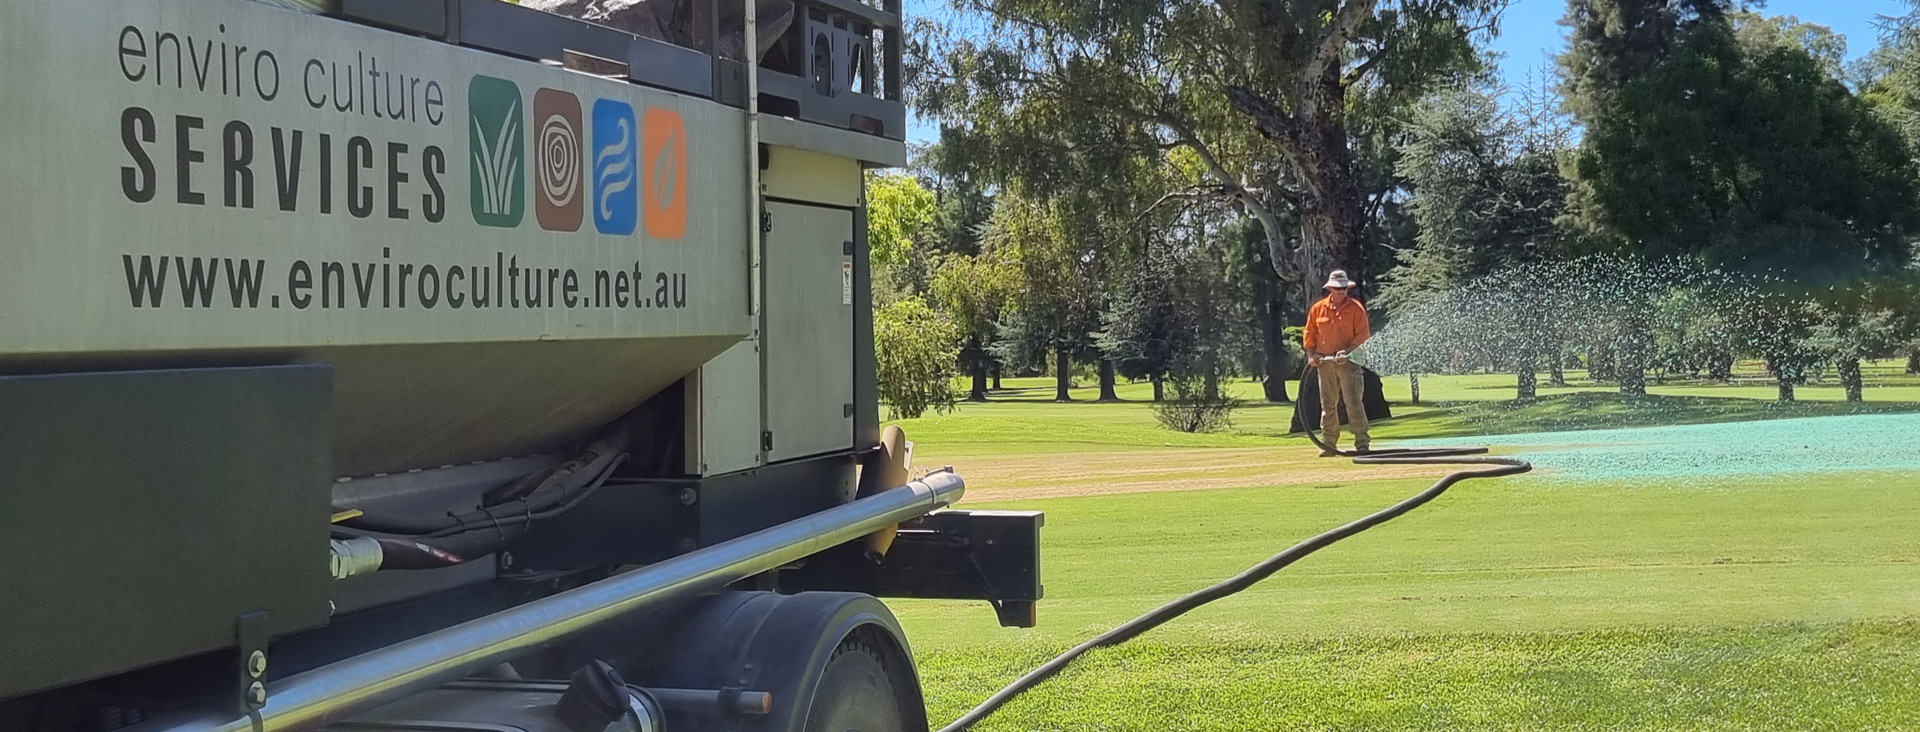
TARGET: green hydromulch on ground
(1885,381)
(1586,410)
(1723,454)
(1854,677)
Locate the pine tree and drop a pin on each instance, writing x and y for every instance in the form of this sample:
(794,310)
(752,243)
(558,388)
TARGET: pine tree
(1612,42)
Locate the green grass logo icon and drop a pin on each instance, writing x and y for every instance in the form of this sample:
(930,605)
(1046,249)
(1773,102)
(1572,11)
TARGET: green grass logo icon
(496,152)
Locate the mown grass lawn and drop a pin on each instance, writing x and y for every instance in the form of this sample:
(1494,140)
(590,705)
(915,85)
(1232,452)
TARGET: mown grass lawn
(1514,604)
(1850,677)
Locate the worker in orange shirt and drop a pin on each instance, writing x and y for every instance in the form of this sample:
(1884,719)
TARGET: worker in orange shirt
(1335,326)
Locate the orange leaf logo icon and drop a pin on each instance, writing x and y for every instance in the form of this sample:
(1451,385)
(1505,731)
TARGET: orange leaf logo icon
(665,169)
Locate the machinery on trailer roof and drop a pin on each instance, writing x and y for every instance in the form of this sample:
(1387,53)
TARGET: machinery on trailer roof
(457,365)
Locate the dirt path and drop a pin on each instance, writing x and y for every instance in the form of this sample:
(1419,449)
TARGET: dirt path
(1145,471)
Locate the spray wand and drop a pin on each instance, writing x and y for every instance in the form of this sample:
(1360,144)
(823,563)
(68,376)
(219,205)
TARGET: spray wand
(1493,467)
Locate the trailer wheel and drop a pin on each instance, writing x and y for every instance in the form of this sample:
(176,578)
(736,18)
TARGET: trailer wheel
(858,692)
(833,661)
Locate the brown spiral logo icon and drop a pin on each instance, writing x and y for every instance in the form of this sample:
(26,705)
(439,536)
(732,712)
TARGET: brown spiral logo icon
(560,153)
(558,170)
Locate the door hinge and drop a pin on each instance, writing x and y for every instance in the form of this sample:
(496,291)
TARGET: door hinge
(847,249)
(847,410)
(766,222)
(766,441)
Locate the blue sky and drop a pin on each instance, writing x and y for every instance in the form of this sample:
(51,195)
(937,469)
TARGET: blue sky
(1530,33)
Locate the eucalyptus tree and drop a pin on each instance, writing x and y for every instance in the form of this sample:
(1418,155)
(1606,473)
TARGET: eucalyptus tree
(1260,91)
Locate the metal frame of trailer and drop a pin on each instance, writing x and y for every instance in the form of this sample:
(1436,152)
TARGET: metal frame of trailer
(154,585)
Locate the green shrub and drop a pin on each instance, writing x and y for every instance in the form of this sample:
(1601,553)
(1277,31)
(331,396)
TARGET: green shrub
(919,352)
(1191,409)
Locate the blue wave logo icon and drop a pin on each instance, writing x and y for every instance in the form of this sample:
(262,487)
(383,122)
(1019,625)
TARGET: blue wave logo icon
(615,195)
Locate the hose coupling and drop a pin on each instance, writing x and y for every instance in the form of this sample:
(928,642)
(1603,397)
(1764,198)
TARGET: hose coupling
(354,557)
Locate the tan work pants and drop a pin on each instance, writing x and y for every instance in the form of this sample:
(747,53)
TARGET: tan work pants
(1341,382)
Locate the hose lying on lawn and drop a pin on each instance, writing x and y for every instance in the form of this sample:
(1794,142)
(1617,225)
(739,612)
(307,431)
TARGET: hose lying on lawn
(1495,467)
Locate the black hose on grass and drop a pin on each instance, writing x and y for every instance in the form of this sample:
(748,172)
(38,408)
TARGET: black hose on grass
(1497,467)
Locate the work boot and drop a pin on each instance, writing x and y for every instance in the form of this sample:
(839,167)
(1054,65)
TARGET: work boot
(1361,448)
(1329,453)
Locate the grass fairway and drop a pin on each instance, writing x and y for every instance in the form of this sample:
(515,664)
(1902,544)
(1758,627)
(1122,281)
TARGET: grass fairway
(1855,677)
(1517,604)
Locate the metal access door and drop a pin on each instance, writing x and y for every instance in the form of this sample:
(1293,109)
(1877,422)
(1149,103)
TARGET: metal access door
(808,361)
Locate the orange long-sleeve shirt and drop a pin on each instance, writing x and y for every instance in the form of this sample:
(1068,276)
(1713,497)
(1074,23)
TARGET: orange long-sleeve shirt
(1332,329)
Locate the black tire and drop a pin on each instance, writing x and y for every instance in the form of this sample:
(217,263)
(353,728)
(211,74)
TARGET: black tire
(833,661)
(858,692)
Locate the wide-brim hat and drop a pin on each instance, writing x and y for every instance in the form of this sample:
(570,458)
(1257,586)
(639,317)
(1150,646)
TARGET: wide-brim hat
(1338,278)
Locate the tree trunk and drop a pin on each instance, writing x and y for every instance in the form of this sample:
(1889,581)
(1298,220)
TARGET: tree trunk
(1106,381)
(1557,373)
(1273,341)
(1850,378)
(1633,381)
(1913,360)
(1783,376)
(1787,370)
(1599,364)
(1414,380)
(1720,367)
(1528,382)
(1632,368)
(1159,387)
(977,364)
(1333,220)
(1062,375)
(1330,241)
(1275,385)
(1314,142)
(996,377)
(1211,362)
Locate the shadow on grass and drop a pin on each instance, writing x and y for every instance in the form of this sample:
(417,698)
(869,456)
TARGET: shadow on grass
(1027,420)
(1038,395)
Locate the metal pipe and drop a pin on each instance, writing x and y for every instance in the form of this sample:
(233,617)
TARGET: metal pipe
(333,693)
(896,45)
(705,701)
(692,701)
(750,63)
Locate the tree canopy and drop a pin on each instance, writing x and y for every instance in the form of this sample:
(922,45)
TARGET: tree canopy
(1751,161)
(1058,93)
(1159,187)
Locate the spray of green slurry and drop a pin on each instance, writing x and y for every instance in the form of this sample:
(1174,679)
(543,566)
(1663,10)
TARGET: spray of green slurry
(1712,453)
